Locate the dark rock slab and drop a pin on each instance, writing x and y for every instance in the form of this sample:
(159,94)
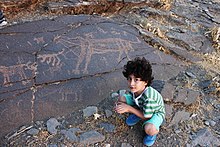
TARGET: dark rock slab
(191,41)
(15,112)
(177,48)
(168,91)
(187,96)
(63,98)
(179,116)
(164,66)
(87,49)
(169,110)
(205,138)
(197,11)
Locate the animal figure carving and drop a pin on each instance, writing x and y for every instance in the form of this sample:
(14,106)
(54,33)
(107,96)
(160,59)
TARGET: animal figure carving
(90,46)
(51,58)
(15,70)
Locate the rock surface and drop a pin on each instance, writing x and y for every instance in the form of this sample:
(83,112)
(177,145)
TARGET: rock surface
(63,57)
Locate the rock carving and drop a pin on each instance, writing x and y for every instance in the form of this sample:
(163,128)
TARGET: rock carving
(84,48)
(15,70)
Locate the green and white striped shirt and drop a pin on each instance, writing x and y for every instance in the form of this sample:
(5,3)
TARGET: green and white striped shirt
(150,102)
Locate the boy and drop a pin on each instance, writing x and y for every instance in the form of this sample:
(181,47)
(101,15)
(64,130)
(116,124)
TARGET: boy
(143,101)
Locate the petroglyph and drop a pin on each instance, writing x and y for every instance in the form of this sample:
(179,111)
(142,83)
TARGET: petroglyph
(69,95)
(54,69)
(39,40)
(101,30)
(52,59)
(15,70)
(85,47)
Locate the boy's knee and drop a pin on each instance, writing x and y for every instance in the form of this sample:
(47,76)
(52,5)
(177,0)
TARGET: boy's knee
(150,129)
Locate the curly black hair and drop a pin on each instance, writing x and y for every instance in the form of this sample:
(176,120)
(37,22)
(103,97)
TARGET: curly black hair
(140,68)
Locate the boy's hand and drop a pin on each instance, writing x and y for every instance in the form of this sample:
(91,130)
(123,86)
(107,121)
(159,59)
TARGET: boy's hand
(121,107)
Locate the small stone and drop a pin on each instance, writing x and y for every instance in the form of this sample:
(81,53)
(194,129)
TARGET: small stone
(52,123)
(91,137)
(107,145)
(205,84)
(70,134)
(217,118)
(39,123)
(107,127)
(89,111)
(212,123)
(108,113)
(33,131)
(177,131)
(190,75)
(114,94)
(217,106)
(207,123)
(125,145)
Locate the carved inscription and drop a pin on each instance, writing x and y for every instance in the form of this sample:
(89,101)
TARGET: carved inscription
(84,48)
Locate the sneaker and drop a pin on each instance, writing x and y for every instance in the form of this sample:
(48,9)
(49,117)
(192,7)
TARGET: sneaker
(149,140)
(3,21)
(132,120)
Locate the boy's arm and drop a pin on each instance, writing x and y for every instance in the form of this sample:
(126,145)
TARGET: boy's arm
(122,108)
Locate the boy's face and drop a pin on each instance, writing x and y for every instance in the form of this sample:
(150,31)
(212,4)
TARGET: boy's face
(136,85)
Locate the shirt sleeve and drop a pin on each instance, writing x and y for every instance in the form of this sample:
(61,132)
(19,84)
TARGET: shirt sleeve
(129,99)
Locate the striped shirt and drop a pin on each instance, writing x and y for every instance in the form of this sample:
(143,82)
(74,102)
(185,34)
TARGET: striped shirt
(150,102)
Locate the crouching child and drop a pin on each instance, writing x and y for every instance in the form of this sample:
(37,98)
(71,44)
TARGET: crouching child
(142,101)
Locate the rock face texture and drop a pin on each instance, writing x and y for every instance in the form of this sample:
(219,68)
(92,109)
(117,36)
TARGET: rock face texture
(60,63)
